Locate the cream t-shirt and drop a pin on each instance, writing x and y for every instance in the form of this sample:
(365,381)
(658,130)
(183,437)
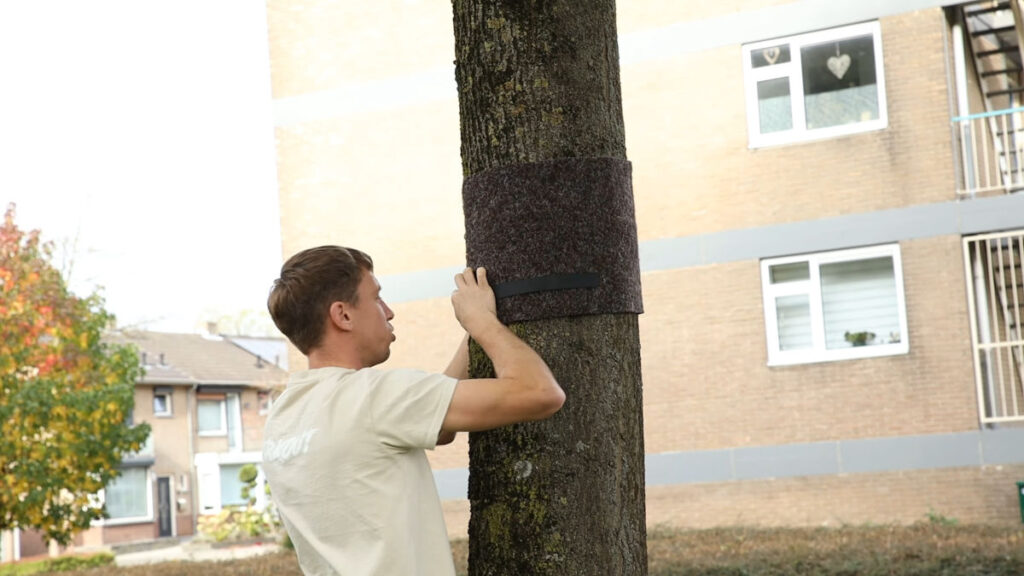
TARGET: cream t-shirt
(343,452)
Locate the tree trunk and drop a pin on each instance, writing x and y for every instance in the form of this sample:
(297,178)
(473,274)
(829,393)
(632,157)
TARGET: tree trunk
(539,81)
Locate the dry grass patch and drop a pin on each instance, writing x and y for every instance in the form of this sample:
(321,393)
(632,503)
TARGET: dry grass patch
(919,550)
(922,549)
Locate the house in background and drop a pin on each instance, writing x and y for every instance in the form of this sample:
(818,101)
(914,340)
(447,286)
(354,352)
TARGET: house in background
(830,227)
(206,399)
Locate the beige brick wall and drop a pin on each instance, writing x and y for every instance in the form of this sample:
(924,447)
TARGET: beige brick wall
(686,134)
(319,45)
(707,384)
(968,495)
(646,14)
(387,182)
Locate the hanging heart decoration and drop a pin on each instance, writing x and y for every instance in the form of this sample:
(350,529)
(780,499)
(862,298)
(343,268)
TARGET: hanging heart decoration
(838,65)
(771,55)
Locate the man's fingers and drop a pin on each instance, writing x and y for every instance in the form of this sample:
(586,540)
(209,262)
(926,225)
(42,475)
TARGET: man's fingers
(481,276)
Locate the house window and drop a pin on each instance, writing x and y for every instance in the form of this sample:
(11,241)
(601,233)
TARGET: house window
(128,495)
(231,485)
(212,417)
(266,401)
(818,85)
(161,403)
(834,306)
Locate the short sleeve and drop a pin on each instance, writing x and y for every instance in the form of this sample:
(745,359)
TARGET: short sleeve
(409,406)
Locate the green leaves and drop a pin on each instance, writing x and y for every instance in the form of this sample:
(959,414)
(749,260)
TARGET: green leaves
(65,396)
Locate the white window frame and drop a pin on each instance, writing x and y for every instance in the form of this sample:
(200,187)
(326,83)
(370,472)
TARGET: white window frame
(149,517)
(208,471)
(167,402)
(223,431)
(793,71)
(269,395)
(812,288)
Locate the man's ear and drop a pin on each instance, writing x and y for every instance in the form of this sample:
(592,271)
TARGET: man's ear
(340,316)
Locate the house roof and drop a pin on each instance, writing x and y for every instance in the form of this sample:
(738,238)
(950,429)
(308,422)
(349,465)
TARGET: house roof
(198,359)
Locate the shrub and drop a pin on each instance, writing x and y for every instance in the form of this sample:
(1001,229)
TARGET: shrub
(61,564)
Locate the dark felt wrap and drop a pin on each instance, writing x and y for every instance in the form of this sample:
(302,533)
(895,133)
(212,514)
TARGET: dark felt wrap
(565,216)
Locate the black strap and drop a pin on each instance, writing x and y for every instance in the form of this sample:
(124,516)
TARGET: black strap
(547,283)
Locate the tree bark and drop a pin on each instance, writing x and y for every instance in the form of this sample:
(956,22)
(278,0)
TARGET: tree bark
(539,80)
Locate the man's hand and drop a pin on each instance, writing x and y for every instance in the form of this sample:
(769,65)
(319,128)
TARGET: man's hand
(524,388)
(473,300)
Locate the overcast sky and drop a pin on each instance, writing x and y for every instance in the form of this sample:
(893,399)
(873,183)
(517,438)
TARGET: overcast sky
(139,133)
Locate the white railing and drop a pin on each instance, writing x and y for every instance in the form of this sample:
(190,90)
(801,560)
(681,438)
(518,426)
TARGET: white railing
(991,150)
(995,289)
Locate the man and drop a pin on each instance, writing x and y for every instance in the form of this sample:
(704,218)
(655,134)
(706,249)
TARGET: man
(344,444)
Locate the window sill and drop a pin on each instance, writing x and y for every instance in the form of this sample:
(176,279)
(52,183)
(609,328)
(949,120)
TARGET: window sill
(819,357)
(127,521)
(780,139)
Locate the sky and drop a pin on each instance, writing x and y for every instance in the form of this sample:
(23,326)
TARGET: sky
(137,135)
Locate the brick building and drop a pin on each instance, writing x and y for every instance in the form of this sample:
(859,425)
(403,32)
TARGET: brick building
(206,399)
(829,228)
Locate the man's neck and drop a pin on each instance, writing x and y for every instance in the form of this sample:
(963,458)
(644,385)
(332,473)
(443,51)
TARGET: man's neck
(323,358)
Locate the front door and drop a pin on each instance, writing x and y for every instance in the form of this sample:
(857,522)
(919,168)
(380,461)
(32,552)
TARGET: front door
(164,510)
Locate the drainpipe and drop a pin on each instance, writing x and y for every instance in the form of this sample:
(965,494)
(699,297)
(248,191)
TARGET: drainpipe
(194,488)
(963,107)
(984,328)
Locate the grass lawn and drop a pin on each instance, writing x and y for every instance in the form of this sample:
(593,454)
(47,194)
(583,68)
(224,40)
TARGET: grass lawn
(922,549)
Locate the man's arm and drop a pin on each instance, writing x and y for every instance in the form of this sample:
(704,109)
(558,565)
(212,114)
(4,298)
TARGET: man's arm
(524,389)
(458,368)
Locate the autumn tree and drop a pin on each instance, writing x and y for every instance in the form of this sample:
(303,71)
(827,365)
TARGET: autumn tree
(65,395)
(549,211)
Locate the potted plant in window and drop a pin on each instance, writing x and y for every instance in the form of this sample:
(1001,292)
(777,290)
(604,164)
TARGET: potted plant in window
(859,338)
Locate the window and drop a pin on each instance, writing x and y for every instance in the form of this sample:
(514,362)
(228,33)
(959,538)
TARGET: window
(161,403)
(128,495)
(212,417)
(266,401)
(834,305)
(231,485)
(817,85)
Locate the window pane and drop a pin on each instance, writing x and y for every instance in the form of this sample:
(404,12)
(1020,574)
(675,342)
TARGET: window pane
(160,404)
(769,56)
(790,272)
(210,416)
(859,303)
(127,496)
(774,106)
(794,320)
(230,485)
(840,85)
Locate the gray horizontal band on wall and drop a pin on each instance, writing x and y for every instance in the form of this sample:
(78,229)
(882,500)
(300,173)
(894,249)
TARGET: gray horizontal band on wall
(438,84)
(923,221)
(860,456)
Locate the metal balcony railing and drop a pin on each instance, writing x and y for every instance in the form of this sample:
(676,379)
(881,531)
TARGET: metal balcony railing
(991,152)
(995,270)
